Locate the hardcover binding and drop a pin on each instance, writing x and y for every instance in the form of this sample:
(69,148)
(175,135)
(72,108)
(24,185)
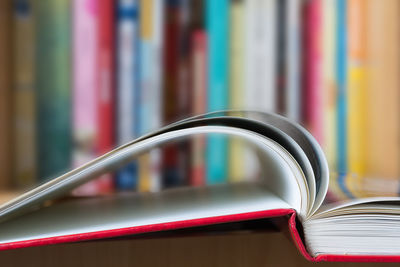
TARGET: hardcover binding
(201,222)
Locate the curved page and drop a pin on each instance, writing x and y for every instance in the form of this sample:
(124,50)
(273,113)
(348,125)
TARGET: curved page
(288,180)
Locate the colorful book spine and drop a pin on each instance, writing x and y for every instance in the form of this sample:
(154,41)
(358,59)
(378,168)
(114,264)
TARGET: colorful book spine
(149,175)
(236,81)
(341,83)
(128,87)
(24,95)
(52,85)
(292,99)
(329,83)
(105,87)
(199,103)
(356,88)
(383,94)
(157,92)
(84,34)
(217,25)
(85,93)
(176,163)
(6,15)
(313,101)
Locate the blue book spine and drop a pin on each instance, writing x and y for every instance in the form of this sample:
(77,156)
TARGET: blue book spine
(341,76)
(217,18)
(127,85)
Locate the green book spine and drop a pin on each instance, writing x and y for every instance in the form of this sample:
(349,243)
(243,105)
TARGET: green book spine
(52,84)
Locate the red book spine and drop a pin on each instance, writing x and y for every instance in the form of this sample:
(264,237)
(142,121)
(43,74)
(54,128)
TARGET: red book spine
(312,113)
(199,102)
(106,86)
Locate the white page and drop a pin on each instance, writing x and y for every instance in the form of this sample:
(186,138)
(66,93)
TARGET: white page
(287,177)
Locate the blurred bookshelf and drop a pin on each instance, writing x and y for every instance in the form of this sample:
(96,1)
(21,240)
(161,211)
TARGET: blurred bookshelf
(81,77)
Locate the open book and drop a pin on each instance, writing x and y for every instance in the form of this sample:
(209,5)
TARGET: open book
(294,183)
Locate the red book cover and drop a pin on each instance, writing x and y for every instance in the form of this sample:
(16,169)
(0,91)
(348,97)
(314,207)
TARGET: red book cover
(290,214)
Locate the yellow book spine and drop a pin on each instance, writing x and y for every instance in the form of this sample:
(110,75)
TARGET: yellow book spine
(236,79)
(146,19)
(356,96)
(144,184)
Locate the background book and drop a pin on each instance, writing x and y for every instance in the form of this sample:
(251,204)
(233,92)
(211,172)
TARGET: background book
(52,83)
(176,93)
(237,84)
(160,61)
(217,18)
(312,107)
(6,114)
(86,114)
(383,98)
(23,95)
(106,86)
(127,85)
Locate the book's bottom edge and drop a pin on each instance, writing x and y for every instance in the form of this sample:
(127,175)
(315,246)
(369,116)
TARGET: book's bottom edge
(146,229)
(293,229)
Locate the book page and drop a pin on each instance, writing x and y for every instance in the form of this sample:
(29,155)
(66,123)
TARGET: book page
(84,215)
(285,177)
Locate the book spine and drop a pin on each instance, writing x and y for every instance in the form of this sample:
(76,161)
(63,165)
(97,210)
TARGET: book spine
(260,66)
(156,90)
(236,80)
(84,34)
(24,95)
(341,81)
(6,11)
(217,19)
(280,63)
(293,97)
(329,86)
(176,94)
(85,93)
(150,72)
(383,94)
(105,87)
(52,85)
(356,88)
(199,102)
(260,55)
(146,34)
(313,97)
(127,83)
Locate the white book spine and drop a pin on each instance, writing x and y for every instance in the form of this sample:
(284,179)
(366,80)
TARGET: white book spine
(292,59)
(126,78)
(260,53)
(156,108)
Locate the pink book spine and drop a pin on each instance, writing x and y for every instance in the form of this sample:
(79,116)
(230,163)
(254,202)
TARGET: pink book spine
(312,80)
(84,87)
